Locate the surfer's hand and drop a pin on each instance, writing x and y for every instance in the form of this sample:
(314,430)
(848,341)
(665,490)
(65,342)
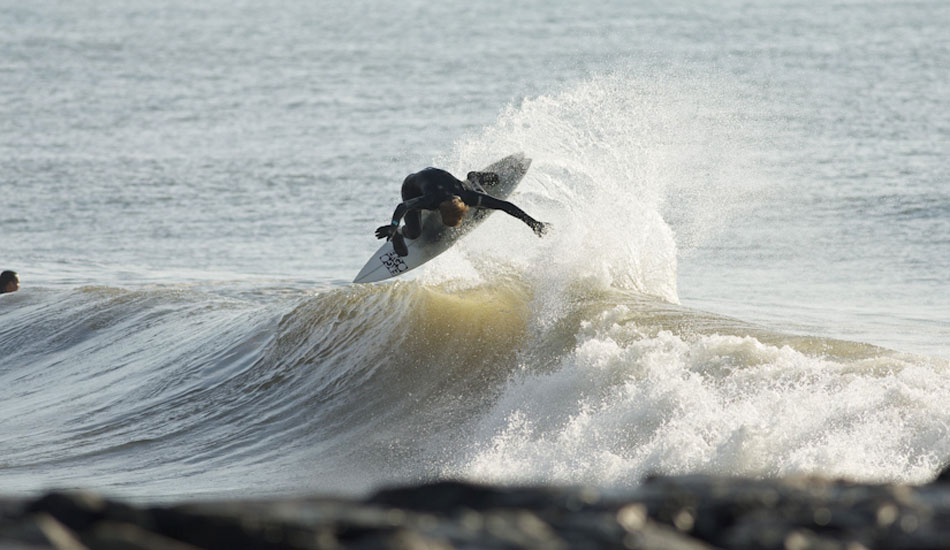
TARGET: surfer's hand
(540,228)
(385,232)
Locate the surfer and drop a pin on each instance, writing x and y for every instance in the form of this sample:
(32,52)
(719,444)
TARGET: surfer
(436,189)
(9,282)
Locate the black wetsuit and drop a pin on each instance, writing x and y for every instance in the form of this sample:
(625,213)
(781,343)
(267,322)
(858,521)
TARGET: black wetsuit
(427,189)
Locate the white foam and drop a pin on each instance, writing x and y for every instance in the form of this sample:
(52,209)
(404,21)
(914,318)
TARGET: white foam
(623,404)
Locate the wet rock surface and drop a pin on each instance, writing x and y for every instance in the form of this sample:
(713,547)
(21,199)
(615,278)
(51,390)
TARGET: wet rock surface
(663,513)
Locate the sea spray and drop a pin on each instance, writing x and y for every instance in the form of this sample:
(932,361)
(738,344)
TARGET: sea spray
(629,169)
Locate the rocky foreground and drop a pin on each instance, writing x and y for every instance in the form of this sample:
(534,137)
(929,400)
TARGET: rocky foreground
(663,513)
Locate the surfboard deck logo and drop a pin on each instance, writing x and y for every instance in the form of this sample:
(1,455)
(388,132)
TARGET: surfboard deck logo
(393,263)
(436,238)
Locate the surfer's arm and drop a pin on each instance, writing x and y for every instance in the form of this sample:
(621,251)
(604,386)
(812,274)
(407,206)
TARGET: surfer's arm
(386,231)
(481,200)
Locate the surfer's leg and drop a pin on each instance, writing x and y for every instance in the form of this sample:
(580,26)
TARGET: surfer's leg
(413,224)
(413,219)
(399,244)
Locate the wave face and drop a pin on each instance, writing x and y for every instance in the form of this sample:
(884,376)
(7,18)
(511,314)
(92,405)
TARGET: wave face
(162,392)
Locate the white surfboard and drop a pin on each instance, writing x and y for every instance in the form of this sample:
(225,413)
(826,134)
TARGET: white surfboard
(436,238)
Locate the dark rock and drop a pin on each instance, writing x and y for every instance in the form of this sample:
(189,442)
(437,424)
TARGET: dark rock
(217,531)
(78,510)
(109,535)
(668,513)
(944,475)
(451,496)
(38,531)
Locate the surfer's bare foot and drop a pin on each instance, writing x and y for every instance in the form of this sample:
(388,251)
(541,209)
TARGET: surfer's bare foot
(399,244)
(483,178)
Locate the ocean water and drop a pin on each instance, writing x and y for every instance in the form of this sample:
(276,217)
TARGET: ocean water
(747,273)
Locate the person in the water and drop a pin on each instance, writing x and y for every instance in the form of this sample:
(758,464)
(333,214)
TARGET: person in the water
(436,189)
(9,282)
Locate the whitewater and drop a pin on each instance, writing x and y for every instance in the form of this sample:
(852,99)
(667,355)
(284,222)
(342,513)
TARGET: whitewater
(743,275)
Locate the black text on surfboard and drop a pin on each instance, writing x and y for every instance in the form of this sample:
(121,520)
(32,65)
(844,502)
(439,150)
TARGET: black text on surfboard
(393,263)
